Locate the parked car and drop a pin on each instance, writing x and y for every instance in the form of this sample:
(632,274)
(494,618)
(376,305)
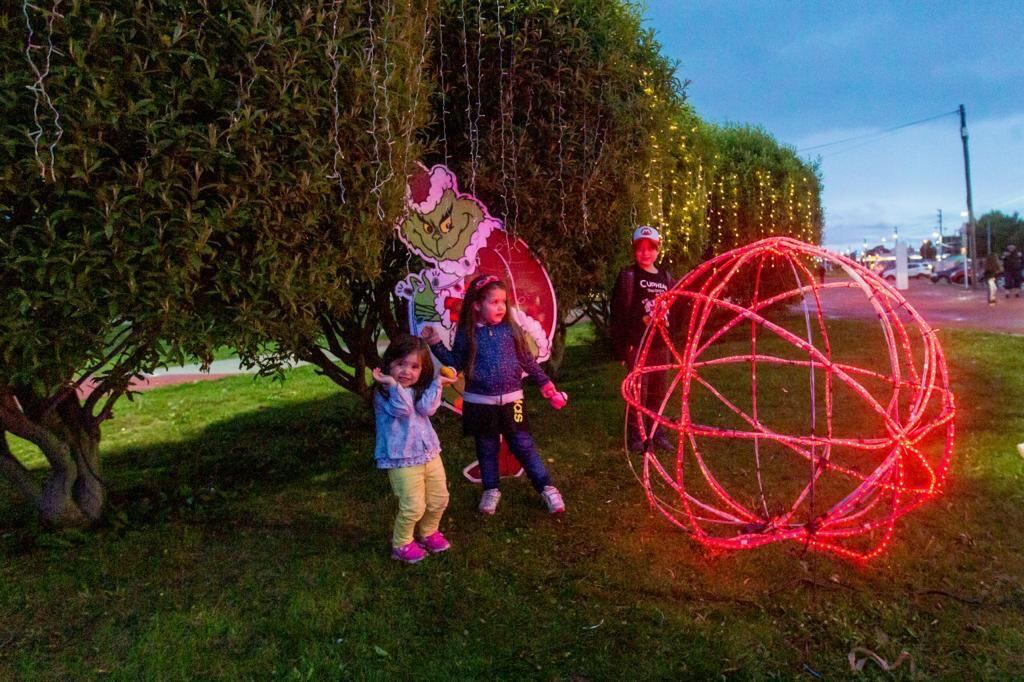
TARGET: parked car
(915,270)
(950,268)
(958,278)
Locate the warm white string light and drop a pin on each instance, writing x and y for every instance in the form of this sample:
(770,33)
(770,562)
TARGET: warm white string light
(444,89)
(332,54)
(469,101)
(502,109)
(38,87)
(389,22)
(371,60)
(560,113)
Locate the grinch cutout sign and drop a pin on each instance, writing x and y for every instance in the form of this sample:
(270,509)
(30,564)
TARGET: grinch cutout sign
(456,234)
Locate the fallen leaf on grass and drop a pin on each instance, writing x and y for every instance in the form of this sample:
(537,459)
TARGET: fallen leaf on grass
(857,664)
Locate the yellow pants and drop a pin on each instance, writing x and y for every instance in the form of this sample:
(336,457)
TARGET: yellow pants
(422,493)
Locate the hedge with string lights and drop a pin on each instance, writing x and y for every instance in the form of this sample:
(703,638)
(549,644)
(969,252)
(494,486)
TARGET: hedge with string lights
(545,110)
(180,176)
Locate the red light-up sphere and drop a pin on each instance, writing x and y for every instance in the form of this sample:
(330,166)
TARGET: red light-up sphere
(776,434)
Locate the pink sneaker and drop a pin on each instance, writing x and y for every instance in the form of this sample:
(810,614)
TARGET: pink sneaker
(408,554)
(435,543)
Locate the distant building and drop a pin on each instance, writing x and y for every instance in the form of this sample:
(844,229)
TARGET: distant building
(950,245)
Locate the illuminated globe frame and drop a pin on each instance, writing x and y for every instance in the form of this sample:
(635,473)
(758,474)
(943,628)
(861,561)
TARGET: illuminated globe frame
(835,492)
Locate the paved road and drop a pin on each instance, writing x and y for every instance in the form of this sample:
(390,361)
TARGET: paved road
(941,305)
(185,374)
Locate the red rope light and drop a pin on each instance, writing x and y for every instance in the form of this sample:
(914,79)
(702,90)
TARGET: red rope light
(879,436)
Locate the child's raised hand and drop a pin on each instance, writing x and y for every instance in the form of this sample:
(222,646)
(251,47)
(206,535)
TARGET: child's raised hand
(448,376)
(430,335)
(382,378)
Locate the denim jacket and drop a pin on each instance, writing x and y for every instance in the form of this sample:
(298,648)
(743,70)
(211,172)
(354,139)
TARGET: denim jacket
(405,436)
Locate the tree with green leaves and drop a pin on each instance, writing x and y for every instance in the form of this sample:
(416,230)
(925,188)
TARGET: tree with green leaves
(180,177)
(1005,229)
(544,110)
(762,189)
(713,188)
(928,250)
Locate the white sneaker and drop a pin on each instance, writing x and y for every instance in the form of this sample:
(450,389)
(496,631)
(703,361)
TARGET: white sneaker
(553,499)
(489,501)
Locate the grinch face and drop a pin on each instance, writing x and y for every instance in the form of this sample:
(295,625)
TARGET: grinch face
(446,232)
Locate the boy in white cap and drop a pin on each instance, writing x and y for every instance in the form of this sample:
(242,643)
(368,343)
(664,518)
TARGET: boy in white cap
(632,299)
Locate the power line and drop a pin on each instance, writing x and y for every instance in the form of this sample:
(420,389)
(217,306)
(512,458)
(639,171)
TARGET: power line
(878,133)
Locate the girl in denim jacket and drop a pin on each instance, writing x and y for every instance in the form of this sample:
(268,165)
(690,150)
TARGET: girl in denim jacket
(407,447)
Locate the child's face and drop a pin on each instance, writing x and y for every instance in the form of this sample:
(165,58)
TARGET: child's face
(646,252)
(406,371)
(491,309)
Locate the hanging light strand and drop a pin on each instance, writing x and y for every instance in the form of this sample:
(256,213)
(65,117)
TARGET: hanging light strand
(332,54)
(42,98)
(443,57)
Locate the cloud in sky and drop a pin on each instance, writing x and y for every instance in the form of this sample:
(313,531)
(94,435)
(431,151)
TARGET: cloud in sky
(905,178)
(812,72)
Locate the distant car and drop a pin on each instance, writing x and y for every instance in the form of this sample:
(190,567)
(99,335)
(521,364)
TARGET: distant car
(958,278)
(915,270)
(949,273)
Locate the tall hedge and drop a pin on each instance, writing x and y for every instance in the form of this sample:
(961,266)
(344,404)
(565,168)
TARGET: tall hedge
(543,108)
(222,173)
(761,188)
(712,188)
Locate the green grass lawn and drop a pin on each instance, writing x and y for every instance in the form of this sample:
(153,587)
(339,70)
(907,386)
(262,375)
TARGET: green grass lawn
(247,537)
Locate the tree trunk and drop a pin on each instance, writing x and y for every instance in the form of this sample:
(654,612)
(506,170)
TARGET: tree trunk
(57,506)
(557,350)
(89,492)
(15,472)
(73,494)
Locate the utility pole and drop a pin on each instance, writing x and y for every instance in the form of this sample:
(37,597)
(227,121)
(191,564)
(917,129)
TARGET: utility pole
(972,244)
(940,235)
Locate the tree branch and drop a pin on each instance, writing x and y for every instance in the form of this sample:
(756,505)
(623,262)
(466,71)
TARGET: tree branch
(316,356)
(12,419)
(331,334)
(120,344)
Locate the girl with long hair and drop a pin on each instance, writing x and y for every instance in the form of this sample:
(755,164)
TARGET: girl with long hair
(491,349)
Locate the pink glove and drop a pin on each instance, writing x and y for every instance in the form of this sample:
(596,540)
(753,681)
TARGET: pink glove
(558,399)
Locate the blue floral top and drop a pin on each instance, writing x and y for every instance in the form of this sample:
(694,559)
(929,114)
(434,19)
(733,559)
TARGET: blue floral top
(405,436)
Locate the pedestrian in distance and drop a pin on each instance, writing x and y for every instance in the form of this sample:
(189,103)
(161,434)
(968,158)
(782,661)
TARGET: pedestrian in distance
(992,268)
(1012,270)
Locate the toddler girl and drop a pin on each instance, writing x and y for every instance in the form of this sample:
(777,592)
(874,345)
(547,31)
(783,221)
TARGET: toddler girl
(407,446)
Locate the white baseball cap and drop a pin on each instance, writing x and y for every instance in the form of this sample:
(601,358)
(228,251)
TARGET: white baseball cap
(646,232)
